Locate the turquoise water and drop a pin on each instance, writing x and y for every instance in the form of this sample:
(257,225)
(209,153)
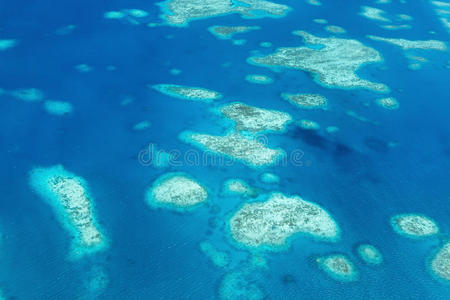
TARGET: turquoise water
(397,162)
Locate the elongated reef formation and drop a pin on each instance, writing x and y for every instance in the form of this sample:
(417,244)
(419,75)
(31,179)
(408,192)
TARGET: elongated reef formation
(235,146)
(187,92)
(306,101)
(408,44)
(227,32)
(67,194)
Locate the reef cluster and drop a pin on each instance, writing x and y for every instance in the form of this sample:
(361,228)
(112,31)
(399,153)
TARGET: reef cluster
(181,12)
(334,64)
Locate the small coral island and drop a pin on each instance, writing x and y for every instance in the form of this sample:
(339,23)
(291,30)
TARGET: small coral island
(414,226)
(176,191)
(338,267)
(271,223)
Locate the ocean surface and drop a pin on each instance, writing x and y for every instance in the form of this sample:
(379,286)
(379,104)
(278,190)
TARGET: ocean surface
(392,162)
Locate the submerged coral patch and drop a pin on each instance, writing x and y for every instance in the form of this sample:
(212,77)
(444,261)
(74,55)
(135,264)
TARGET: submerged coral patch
(335,29)
(415,62)
(414,226)
(370,254)
(265,44)
(314,2)
(356,116)
(135,12)
(270,178)
(332,129)
(181,12)
(271,223)
(83,68)
(308,124)
(67,194)
(6,44)
(442,9)
(393,22)
(176,191)
(240,284)
(238,187)
(175,71)
(186,92)
(373,14)
(141,125)
(259,79)
(239,42)
(227,32)
(338,267)
(396,27)
(334,64)
(320,21)
(114,15)
(306,101)
(219,258)
(237,147)
(128,13)
(255,119)
(28,94)
(404,17)
(97,280)
(65,30)
(58,108)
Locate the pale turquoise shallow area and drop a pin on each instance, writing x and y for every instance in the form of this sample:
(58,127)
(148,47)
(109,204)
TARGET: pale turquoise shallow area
(378,164)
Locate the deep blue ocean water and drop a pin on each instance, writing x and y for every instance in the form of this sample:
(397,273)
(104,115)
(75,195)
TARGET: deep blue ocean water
(154,254)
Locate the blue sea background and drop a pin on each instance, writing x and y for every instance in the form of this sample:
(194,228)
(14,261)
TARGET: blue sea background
(154,254)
